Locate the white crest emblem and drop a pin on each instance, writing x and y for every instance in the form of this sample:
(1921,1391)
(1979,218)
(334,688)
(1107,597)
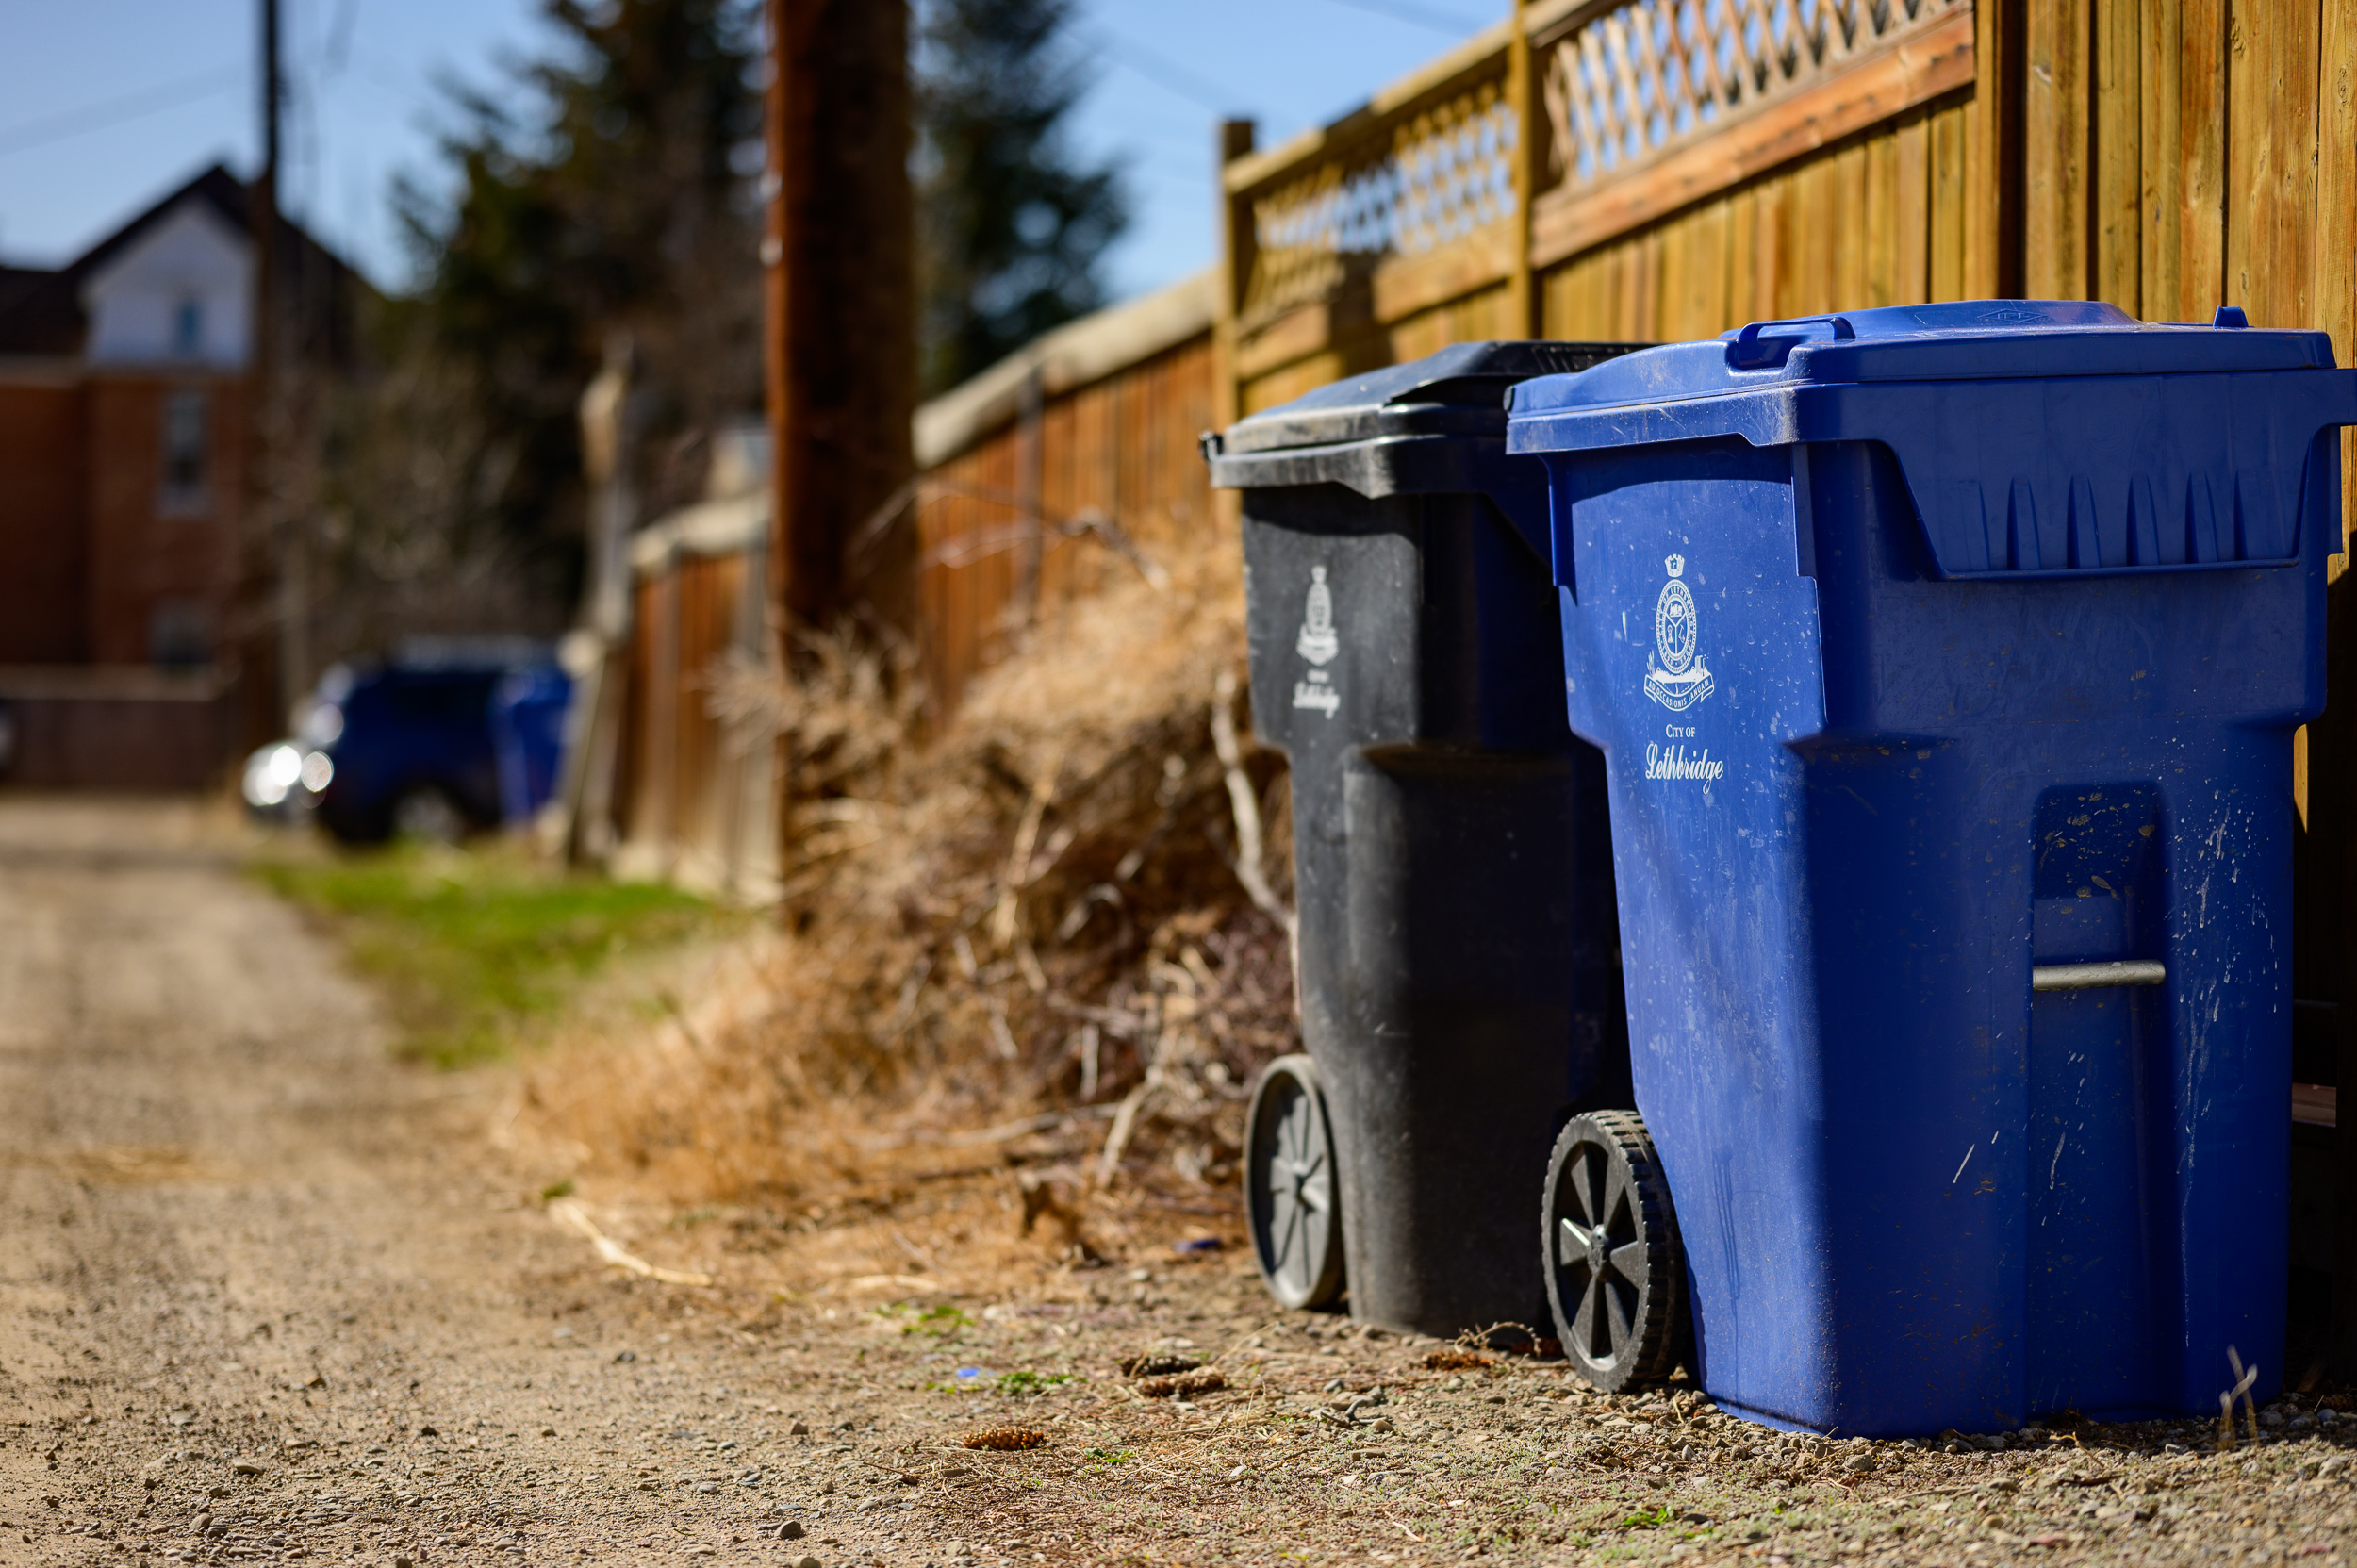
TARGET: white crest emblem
(1675,676)
(1318,642)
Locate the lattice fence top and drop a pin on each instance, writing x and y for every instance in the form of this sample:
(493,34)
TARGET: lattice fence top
(1638,81)
(1444,172)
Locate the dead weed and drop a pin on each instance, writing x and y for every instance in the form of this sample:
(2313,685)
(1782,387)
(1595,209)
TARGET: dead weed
(1021,942)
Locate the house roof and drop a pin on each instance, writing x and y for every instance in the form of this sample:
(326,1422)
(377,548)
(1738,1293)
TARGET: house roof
(40,308)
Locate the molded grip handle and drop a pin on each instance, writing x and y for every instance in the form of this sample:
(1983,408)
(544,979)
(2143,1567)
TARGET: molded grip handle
(1752,349)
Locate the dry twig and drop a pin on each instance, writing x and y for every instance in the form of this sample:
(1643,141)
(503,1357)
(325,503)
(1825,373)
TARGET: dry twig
(570,1214)
(1244,805)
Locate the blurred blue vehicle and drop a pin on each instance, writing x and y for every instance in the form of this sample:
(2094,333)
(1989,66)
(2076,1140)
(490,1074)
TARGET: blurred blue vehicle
(443,740)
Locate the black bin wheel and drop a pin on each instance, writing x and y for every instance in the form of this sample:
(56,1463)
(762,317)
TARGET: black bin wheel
(1291,1186)
(1615,1272)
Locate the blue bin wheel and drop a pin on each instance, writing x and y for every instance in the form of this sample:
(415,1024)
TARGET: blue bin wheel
(1290,1183)
(1616,1274)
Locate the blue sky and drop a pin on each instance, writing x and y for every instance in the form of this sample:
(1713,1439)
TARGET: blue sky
(105,103)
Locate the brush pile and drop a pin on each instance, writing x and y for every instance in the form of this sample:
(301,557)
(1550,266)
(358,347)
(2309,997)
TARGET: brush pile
(1060,921)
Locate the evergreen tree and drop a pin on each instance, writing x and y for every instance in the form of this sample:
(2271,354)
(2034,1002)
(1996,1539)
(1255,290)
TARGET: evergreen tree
(612,187)
(1011,226)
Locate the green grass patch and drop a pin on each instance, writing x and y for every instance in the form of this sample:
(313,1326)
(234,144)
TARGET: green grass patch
(474,950)
(943,1321)
(1016,1385)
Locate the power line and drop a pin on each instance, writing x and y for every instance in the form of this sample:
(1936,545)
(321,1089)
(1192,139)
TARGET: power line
(117,111)
(1415,16)
(1164,73)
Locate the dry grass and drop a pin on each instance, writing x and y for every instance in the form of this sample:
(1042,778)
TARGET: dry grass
(1024,933)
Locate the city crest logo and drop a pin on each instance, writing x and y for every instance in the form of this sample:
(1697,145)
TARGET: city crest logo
(1319,643)
(1675,676)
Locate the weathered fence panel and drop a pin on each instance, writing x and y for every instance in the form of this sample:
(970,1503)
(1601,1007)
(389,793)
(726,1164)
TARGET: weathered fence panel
(693,794)
(1072,462)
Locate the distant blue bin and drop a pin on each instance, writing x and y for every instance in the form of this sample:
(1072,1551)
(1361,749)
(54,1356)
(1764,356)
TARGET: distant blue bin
(1935,651)
(528,711)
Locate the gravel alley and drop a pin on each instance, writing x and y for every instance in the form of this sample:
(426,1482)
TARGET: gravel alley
(267,1296)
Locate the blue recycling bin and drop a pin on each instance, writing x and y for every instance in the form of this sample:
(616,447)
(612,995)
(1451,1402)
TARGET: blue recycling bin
(1946,661)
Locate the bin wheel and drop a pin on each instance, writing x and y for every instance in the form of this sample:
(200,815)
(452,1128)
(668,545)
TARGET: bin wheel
(1289,1177)
(1615,1272)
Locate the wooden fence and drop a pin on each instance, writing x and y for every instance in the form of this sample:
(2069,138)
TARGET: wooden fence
(1658,170)
(693,794)
(1070,461)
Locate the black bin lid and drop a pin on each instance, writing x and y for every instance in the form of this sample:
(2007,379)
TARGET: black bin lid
(1436,423)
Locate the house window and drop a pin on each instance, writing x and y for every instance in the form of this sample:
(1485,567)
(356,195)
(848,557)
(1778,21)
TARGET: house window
(188,439)
(187,330)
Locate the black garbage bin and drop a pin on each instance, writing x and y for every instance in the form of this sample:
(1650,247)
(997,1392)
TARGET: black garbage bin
(1458,958)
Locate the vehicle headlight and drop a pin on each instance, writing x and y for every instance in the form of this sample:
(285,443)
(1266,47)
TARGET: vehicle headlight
(271,773)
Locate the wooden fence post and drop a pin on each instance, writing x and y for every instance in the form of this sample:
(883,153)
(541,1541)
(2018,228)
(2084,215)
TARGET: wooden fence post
(1235,275)
(1522,96)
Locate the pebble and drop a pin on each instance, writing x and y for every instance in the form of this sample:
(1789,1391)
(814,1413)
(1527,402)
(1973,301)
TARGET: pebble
(790,1531)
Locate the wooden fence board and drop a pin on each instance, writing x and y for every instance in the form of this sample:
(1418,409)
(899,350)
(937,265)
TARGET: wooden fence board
(2201,282)
(2117,193)
(1948,258)
(1910,214)
(1813,240)
(2054,152)
(1742,209)
(1854,262)
(1484,314)
(2272,69)
(2160,62)
(1992,156)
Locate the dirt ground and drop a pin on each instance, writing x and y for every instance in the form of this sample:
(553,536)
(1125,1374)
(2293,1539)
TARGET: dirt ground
(266,1295)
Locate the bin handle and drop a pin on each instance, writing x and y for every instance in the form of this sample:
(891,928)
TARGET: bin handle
(1750,351)
(2091,977)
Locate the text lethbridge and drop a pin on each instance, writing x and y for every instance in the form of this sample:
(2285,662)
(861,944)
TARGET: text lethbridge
(1674,764)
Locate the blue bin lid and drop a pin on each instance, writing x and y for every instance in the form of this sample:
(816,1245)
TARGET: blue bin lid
(2011,467)
(1966,339)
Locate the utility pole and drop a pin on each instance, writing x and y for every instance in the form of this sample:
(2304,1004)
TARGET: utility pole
(268,401)
(840,279)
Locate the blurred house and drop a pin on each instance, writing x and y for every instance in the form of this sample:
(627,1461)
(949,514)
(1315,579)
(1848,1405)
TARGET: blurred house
(129,568)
